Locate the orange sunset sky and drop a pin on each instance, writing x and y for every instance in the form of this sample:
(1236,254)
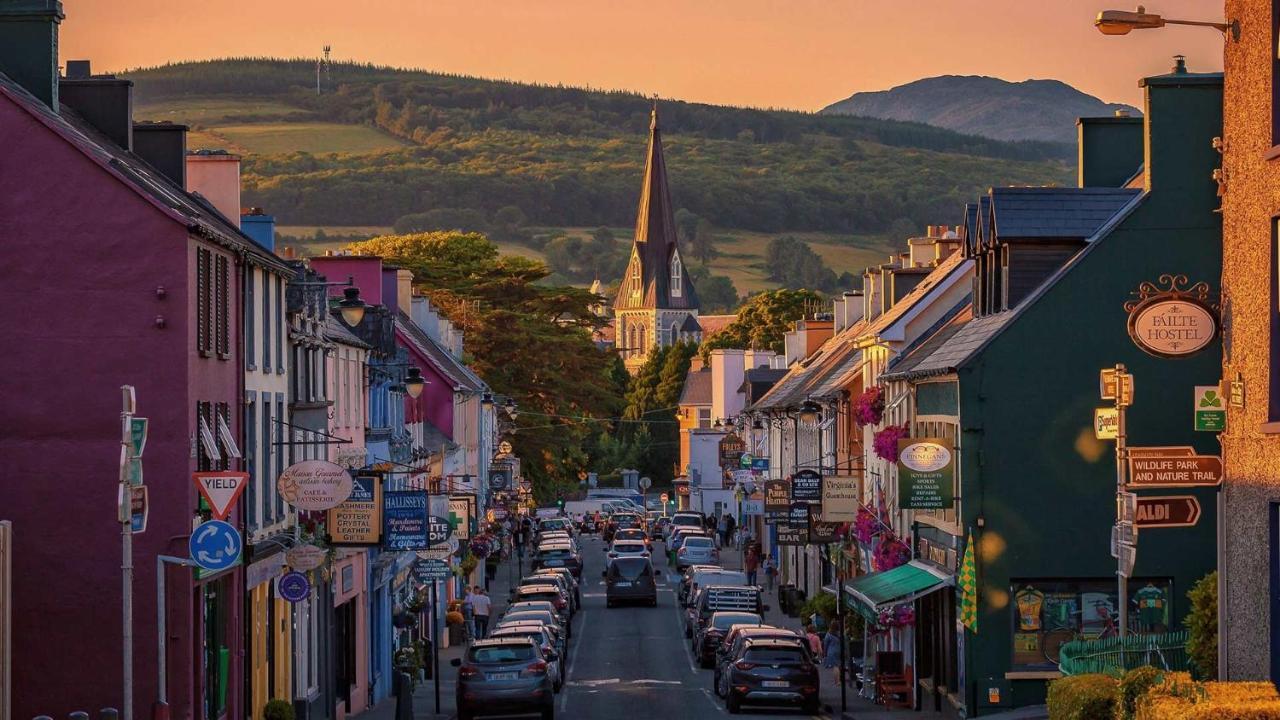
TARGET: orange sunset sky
(800,54)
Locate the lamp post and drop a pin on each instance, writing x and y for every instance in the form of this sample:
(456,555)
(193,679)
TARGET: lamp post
(1122,22)
(414,383)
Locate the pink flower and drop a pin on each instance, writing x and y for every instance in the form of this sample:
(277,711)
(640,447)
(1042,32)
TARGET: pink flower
(865,527)
(868,409)
(890,553)
(885,442)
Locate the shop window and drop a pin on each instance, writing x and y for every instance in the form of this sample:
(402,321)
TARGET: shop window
(1045,614)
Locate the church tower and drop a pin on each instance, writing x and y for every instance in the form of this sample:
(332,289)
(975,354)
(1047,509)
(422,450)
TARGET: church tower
(656,303)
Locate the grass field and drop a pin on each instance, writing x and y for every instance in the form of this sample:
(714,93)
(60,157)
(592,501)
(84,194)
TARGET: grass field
(741,252)
(211,111)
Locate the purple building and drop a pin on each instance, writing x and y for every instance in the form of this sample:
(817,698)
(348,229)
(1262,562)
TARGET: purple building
(112,275)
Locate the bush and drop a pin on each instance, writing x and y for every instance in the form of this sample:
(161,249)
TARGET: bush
(1084,697)
(278,710)
(1135,684)
(1178,697)
(1202,627)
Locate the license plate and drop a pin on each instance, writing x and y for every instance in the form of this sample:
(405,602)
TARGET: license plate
(776,683)
(622,584)
(509,676)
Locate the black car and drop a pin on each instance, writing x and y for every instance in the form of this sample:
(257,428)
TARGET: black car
(504,676)
(713,631)
(630,579)
(716,598)
(547,592)
(731,647)
(771,672)
(554,556)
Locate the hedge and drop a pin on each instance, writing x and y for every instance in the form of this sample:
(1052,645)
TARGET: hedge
(1084,697)
(1177,697)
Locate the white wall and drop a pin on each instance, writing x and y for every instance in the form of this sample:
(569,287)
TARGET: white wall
(265,310)
(726,377)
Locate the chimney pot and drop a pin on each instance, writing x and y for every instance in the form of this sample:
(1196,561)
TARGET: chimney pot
(1179,64)
(79,70)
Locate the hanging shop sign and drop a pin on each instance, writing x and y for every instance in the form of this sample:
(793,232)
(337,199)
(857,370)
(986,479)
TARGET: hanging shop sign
(1210,410)
(500,476)
(431,570)
(806,486)
(926,473)
(294,587)
(439,552)
(1171,319)
(777,500)
(820,532)
(760,464)
(790,534)
(305,557)
(405,520)
(462,514)
(358,520)
(1106,423)
(731,449)
(314,485)
(839,498)
(438,530)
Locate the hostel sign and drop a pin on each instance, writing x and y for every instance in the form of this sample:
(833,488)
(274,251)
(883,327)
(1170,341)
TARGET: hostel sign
(1170,319)
(926,473)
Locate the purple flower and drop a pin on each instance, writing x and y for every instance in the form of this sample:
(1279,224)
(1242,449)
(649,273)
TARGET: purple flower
(885,442)
(868,408)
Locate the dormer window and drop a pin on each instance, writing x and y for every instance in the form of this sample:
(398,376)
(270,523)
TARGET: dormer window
(677,277)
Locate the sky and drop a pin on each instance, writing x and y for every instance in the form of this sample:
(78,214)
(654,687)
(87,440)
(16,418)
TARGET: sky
(798,54)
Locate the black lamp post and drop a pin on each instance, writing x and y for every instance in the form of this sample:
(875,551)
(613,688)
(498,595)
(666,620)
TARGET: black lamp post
(414,382)
(351,307)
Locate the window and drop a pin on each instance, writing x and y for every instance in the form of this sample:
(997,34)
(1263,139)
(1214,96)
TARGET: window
(677,277)
(204,310)
(251,457)
(280,333)
(704,418)
(263,481)
(279,470)
(222,300)
(250,315)
(1047,613)
(266,323)
(635,267)
(675,333)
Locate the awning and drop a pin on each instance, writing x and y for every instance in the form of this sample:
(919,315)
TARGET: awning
(872,593)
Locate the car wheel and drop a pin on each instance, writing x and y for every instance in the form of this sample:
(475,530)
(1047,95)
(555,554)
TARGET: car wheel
(732,704)
(549,712)
(705,664)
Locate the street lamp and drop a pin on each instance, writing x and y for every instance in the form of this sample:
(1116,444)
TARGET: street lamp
(487,399)
(414,382)
(1122,22)
(719,425)
(810,412)
(351,307)
(510,408)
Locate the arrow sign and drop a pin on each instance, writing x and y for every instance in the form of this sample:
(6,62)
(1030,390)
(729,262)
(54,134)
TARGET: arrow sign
(215,545)
(1169,511)
(221,490)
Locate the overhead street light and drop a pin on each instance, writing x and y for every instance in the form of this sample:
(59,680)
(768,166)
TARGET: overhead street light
(414,382)
(351,307)
(1122,22)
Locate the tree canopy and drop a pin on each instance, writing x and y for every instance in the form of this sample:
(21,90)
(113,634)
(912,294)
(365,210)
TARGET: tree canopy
(764,318)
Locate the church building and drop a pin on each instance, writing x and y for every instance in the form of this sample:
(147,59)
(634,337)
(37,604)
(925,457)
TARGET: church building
(656,304)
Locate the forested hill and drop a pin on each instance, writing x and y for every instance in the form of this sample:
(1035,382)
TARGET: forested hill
(572,156)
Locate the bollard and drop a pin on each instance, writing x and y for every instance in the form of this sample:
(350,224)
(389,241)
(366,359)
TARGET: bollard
(108,714)
(78,715)
(403,688)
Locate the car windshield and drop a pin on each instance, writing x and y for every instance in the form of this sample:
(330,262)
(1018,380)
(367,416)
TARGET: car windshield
(698,542)
(500,653)
(720,578)
(690,520)
(629,568)
(722,621)
(540,595)
(775,655)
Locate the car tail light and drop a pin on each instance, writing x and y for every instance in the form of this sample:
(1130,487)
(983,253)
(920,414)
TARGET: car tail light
(680,551)
(744,665)
(468,671)
(808,689)
(538,667)
(559,603)
(546,649)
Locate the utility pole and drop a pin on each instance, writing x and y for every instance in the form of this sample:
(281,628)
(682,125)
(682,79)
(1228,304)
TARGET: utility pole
(1117,385)
(125,515)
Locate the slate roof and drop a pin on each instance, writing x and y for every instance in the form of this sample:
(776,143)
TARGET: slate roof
(690,325)
(697,388)
(758,381)
(462,377)
(337,331)
(970,226)
(181,206)
(1054,212)
(949,348)
(712,324)
(935,278)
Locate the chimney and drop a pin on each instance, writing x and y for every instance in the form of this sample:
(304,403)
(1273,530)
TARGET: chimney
(1108,149)
(164,146)
(261,227)
(1183,114)
(404,290)
(837,312)
(215,174)
(29,46)
(104,101)
(853,308)
(727,373)
(757,358)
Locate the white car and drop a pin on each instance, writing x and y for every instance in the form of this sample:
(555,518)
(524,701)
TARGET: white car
(628,548)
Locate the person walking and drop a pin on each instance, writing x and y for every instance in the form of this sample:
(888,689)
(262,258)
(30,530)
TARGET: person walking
(751,563)
(730,524)
(815,642)
(722,531)
(469,614)
(482,605)
(770,573)
(831,647)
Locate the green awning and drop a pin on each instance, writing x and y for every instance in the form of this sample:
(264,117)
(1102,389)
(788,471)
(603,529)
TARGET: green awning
(874,592)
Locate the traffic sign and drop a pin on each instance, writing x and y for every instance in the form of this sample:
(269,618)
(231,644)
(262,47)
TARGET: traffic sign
(1122,534)
(1115,386)
(137,435)
(1126,506)
(1210,410)
(130,468)
(1106,423)
(215,545)
(430,570)
(1168,511)
(138,509)
(645,483)
(294,587)
(221,490)
(663,497)
(1173,467)
(438,530)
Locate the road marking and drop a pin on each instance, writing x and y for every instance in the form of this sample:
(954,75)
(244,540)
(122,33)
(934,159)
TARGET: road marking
(596,683)
(711,698)
(657,682)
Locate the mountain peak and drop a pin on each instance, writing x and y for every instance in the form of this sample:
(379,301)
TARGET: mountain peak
(1036,109)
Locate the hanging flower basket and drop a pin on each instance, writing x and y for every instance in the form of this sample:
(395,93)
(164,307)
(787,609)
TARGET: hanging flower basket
(868,409)
(890,553)
(897,616)
(865,527)
(480,546)
(885,442)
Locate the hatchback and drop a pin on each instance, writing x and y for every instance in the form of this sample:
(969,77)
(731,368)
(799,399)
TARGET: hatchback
(628,548)
(542,579)
(771,672)
(574,585)
(546,592)
(697,550)
(554,556)
(557,638)
(709,634)
(630,579)
(545,617)
(542,635)
(502,676)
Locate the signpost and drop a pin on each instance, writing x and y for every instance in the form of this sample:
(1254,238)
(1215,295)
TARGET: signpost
(1117,385)
(133,439)
(1173,467)
(221,490)
(1167,511)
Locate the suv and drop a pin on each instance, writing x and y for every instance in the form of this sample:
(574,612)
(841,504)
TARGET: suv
(715,598)
(504,675)
(558,555)
(700,575)
(731,647)
(630,579)
(771,672)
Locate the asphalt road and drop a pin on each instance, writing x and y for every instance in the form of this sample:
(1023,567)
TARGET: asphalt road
(630,662)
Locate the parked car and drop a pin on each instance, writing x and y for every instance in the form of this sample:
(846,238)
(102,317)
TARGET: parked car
(715,598)
(546,617)
(697,550)
(731,647)
(712,575)
(546,592)
(687,519)
(627,548)
(574,585)
(542,635)
(771,672)
(630,579)
(540,578)
(683,593)
(558,640)
(634,534)
(559,555)
(713,630)
(504,676)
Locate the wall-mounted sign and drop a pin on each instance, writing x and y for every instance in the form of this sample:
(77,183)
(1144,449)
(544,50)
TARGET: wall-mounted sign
(358,521)
(731,449)
(806,486)
(1177,466)
(500,476)
(294,587)
(438,530)
(1106,423)
(314,485)
(305,557)
(1170,319)
(777,499)
(462,509)
(839,498)
(404,520)
(926,473)
(1210,410)
(431,570)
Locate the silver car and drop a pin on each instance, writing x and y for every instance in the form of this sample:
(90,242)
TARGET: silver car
(697,550)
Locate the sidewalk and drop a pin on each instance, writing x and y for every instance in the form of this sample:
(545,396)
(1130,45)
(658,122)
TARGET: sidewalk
(423,700)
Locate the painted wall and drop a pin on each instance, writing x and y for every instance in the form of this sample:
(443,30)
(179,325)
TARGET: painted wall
(365,270)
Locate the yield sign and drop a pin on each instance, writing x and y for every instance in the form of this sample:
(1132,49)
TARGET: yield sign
(221,490)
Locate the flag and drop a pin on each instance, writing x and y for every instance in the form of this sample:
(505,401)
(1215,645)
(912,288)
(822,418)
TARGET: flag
(969,588)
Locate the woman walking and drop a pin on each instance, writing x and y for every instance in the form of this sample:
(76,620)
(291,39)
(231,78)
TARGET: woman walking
(831,647)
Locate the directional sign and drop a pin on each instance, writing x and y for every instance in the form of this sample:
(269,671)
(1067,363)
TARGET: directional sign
(645,483)
(1126,506)
(663,497)
(215,545)
(1169,511)
(1111,384)
(138,509)
(137,436)
(438,530)
(294,587)
(1128,556)
(1173,467)
(430,570)
(221,490)
(439,552)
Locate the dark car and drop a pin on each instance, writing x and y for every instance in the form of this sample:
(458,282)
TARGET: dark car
(544,636)
(574,586)
(504,676)
(716,598)
(548,592)
(554,556)
(539,578)
(713,630)
(686,578)
(630,579)
(731,646)
(771,672)
(558,640)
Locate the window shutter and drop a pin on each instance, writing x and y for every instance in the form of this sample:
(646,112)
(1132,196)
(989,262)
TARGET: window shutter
(223,298)
(202,300)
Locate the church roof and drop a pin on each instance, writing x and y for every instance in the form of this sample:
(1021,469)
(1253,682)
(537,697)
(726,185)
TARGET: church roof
(654,244)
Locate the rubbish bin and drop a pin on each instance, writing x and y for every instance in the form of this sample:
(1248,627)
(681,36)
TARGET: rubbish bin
(795,601)
(784,598)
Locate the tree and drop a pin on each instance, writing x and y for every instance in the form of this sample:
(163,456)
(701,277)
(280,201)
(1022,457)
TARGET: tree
(1202,627)
(525,339)
(703,242)
(763,319)
(791,262)
(717,294)
(649,421)
(686,225)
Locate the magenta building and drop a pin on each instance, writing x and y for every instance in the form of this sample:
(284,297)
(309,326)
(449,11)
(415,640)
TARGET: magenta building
(113,275)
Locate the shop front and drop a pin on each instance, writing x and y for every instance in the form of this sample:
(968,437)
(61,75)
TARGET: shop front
(270,622)
(350,632)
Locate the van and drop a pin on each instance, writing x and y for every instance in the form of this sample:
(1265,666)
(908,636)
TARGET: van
(630,579)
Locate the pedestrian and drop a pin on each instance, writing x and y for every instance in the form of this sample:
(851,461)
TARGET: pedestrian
(722,538)
(730,524)
(482,605)
(751,563)
(815,642)
(831,647)
(770,573)
(469,614)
